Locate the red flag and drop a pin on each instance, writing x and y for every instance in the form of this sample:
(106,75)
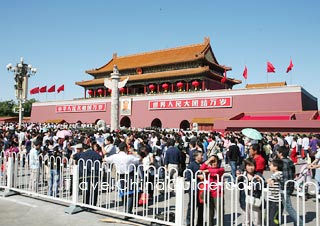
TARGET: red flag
(270,67)
(52,89)
(61,88)
(290,66)
(43,89)
(245,72)
(34,90)
(224,79)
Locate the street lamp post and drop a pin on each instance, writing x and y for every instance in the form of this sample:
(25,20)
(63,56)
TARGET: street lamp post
(22,72)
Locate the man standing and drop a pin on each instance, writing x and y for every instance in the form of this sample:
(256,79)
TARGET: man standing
(91,160)
(234,157)
(195,177)
(288,172)
(125,168)
(172,159)
(35,165)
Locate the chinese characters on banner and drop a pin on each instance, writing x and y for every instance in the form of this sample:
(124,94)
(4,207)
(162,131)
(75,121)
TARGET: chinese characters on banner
(80,108)
(218,102)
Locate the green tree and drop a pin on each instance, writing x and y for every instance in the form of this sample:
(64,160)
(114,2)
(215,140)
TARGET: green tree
(6,108)
(27,107)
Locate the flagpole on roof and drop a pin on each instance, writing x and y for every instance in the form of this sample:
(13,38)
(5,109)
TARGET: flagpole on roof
(291,72)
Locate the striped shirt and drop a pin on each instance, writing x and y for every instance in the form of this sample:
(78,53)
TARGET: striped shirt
(274,190)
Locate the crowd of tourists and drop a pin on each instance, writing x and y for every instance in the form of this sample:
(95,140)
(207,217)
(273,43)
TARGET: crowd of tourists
(210,153)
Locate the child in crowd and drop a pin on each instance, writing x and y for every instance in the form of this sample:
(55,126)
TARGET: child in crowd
(250,184)
(274,196)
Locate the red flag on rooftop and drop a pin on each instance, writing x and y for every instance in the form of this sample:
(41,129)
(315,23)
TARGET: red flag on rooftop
(61,88)
(34,90)
(245,72)
(224,79)
(52,89)
(270,68)
(290,66)
(43,89)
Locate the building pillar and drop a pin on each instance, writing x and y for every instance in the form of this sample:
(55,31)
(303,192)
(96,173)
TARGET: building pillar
(144,89)
(158,88)
(172,86)
(203,85)
(85,93)
(94,93)
(187,86)
(105,92)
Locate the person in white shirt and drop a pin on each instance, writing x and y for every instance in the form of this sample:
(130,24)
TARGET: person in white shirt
(34,165)
(125,166)
(305,146)
(153,139)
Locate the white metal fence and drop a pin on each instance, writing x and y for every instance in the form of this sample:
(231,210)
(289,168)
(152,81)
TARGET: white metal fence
(152,195)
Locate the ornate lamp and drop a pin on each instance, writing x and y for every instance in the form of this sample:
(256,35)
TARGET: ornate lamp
(90,92)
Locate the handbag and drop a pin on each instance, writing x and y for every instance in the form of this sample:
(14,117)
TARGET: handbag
(256,202)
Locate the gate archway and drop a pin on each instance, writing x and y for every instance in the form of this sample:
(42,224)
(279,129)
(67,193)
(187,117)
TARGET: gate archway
(185,125)
(156,123)
(125,121)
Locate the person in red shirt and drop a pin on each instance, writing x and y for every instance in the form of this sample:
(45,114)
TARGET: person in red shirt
(212,168)
(254,152)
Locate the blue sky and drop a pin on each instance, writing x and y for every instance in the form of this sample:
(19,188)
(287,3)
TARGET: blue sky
(62,39)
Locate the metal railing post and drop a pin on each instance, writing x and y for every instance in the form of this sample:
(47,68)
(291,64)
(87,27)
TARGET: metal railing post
(10,174)
(75,192)
(179,201)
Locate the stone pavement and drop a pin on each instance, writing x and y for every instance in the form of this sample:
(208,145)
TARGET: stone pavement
(22,210)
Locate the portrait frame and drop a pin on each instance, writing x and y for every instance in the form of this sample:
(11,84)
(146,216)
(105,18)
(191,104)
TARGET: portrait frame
(125,106)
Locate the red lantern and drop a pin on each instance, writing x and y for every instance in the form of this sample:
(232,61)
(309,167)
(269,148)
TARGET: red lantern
(100,91)
(152,87)
(180,85)
(90,92)
(122,89)
(165,86)
(139,71)
(195,84)
(110,91)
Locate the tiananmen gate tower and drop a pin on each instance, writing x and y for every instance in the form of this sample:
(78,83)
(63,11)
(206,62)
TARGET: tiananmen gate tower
(184,87)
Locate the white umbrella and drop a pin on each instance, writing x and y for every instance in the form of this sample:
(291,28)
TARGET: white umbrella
(252,133)
(63,133)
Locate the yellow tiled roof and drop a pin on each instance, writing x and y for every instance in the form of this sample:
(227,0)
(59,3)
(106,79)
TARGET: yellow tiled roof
(160,57)
(158,75)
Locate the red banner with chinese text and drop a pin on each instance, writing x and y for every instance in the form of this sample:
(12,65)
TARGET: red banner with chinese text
(217,102)
(80,108)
